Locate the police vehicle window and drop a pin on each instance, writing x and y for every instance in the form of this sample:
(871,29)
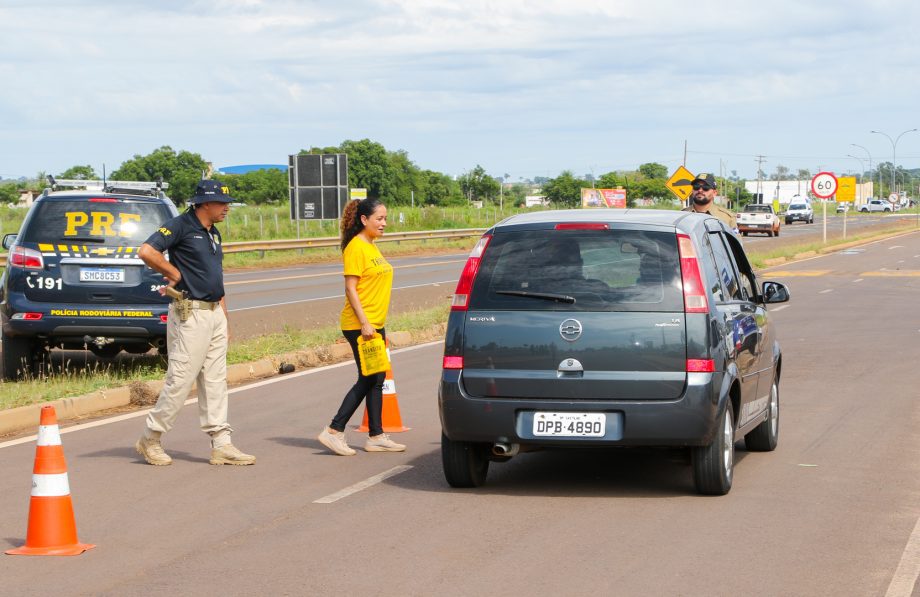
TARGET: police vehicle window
(108,222)
(725,268)
(712,274)
(580,270)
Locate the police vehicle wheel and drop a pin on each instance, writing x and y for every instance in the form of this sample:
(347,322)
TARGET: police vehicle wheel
(18,361)
(465,464)
(763,438)
(714,465)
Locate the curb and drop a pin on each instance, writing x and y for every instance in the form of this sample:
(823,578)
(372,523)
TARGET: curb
(144,393)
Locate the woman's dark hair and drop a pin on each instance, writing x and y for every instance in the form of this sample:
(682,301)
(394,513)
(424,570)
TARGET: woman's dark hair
(351,217)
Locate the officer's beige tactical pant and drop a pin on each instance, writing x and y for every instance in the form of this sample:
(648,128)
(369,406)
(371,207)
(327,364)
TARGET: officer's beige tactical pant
(197,353)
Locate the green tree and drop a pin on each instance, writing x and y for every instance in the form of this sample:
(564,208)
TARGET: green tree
(78,173)
(181,170)
(9,193)
(653,170)
(565,189)
(258,186)
(610,180)
(477,185)
(439,189)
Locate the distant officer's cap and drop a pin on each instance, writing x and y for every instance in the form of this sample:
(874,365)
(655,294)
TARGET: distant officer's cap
(211,190)
(706,178)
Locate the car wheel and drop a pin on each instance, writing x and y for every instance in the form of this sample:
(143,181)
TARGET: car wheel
(466,464)
(771,233)
(776,233)
(788,221)
(764,437)
(714,465)
(811,220)
(18,361)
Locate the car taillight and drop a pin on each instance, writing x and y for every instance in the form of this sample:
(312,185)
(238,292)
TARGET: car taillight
(701,365)
(465,285)
(453,363)
(164,318)
(695,300)
(26,258)
(28,316)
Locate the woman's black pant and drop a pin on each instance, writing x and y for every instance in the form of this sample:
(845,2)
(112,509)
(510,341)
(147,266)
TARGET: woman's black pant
(368,387)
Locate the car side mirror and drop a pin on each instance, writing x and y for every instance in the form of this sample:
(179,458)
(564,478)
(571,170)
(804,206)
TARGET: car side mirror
(775,292)
(9,240)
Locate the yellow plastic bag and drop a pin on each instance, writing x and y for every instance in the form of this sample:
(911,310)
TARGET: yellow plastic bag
(373,355)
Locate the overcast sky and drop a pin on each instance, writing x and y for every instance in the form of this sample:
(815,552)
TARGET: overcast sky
(522,87)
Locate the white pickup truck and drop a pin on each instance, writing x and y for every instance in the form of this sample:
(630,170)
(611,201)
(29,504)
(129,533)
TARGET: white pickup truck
(876,205)
(758,218)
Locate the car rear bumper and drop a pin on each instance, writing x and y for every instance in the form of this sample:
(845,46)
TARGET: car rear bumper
(75,321)
(755,227)
(689,420)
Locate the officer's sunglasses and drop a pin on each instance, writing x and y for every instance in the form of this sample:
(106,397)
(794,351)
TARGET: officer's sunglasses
(697,186)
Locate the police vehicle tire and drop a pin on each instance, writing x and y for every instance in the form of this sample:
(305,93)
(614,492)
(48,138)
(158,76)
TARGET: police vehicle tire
(18,358)
(764,437)
(466,464)
(713,465)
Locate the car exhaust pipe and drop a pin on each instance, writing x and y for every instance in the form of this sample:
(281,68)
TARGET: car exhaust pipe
(503,449)
(99,341)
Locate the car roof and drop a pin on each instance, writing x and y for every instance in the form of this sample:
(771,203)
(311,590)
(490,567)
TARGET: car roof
(81,195)
(639,217)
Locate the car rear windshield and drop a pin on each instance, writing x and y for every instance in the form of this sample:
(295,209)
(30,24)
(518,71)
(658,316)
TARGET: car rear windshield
(119,222)
(798,206)
(757,208)
(580,270)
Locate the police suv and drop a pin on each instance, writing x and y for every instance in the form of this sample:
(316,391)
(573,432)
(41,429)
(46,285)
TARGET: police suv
(73,279)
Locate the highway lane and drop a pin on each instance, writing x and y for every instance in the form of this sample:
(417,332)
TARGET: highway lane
(830,512)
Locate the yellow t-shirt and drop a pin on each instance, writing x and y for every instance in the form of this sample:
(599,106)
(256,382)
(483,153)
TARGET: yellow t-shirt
(375,281)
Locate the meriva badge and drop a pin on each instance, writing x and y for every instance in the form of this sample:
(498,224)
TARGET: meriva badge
(570,330)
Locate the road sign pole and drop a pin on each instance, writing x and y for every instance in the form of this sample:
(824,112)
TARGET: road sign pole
(824,203)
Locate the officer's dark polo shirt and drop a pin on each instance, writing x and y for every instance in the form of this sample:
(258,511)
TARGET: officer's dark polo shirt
(196,253)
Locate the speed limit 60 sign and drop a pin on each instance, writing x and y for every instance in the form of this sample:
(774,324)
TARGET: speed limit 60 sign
(824,185)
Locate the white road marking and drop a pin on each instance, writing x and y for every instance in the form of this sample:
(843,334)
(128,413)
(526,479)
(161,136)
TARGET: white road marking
(362,485)
(826,290)
(258,384)
(908,570)
(895,247)
(780,308)
(857,280)
(335,296)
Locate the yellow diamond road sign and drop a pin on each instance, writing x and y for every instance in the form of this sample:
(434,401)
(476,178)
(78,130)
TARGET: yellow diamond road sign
(679,183)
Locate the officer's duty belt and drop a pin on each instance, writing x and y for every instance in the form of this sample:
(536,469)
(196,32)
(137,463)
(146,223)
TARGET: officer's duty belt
(196,304)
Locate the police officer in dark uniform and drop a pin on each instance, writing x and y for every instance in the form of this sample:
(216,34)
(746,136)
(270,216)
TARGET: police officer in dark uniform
(702,200)
(196,330)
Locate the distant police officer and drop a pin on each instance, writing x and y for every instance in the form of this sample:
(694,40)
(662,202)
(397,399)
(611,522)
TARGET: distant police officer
(702,200)
(196,330)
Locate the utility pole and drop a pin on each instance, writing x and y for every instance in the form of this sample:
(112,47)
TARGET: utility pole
(760,161)
(685,154)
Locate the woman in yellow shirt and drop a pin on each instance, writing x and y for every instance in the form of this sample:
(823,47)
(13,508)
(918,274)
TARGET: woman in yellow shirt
(368,282)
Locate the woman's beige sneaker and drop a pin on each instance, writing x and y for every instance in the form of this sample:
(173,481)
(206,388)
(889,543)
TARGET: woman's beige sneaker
(382,443)
(335,441)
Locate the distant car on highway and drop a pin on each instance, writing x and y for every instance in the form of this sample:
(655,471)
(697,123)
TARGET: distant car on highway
(758,217)
(843,207)
(800,212)
(608,328)
(875,205)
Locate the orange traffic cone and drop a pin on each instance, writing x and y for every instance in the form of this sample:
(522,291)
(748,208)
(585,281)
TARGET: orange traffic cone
(392,422)
(52,531)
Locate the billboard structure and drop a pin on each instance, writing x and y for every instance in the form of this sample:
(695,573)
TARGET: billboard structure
(318,185)
(603,197)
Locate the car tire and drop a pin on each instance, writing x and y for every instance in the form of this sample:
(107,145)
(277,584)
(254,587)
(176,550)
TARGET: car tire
(466,464)
(811,220)
(714,465)
(776,233)
(788,221)
(764,437)
(18,358)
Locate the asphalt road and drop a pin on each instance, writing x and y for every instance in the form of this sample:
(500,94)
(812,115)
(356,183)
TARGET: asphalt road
(833,511)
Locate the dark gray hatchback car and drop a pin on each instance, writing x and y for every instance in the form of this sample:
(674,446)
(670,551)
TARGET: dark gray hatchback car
(603,328)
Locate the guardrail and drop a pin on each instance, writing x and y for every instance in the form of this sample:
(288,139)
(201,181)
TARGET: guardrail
(333,241)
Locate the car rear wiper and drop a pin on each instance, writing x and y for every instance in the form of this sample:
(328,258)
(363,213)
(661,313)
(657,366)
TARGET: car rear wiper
(548,296)
(83,239)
